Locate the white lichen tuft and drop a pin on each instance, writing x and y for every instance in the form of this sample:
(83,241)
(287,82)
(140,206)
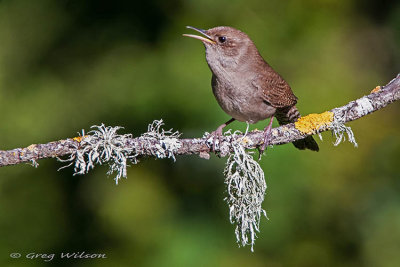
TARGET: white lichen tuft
(102,145)
(339,130)
(246,190)
(320,136)
(166,141)
(34,163)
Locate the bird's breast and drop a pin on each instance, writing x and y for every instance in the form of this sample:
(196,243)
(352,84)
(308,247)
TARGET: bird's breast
(240,99)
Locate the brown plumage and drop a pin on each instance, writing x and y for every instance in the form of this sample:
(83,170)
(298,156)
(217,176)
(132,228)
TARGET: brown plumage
(245,85)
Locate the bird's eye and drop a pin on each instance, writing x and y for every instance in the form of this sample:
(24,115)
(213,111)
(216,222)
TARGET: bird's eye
(222,39)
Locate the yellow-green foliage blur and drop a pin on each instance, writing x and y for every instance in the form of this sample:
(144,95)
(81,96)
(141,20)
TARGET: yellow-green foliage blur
(69,64)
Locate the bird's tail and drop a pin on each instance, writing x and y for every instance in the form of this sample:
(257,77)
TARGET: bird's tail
(289,115)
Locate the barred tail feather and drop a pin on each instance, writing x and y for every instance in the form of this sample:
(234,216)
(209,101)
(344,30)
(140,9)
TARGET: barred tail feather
(291,114)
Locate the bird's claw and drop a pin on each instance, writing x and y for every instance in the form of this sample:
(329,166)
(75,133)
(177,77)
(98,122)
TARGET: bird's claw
(267,138)
(263,147)
(216,135)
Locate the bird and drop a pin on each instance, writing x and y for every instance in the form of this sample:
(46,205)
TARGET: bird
(245,86)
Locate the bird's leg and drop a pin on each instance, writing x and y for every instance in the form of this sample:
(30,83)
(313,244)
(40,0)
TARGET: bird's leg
(267,136)
(218,133)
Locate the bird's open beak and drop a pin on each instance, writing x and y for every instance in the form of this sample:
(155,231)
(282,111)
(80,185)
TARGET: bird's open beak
(205,38)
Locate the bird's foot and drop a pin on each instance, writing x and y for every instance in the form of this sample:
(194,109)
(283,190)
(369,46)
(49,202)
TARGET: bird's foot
(216,135)
(267,138)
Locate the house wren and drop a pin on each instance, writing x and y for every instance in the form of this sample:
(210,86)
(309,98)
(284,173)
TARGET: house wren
(245,85)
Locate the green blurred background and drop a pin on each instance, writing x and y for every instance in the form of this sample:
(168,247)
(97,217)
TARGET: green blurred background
(66,65)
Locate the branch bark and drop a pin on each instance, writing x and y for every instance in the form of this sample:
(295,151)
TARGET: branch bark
(377,99)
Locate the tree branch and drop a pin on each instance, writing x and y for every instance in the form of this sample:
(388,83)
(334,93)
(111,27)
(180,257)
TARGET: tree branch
(154,145)
(244,177)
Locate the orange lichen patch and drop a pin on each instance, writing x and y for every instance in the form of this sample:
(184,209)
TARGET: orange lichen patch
(376,89)
(311,123)
(31,147)
(78,138)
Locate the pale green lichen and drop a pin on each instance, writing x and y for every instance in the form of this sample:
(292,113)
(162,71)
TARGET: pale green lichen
(167,140)
(339,130)
(103,145)
(246,188)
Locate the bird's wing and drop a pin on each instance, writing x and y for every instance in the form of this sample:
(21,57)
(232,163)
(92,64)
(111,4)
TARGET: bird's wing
(275,90)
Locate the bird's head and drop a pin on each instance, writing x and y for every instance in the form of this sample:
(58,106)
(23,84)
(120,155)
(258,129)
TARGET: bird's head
(226,47)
